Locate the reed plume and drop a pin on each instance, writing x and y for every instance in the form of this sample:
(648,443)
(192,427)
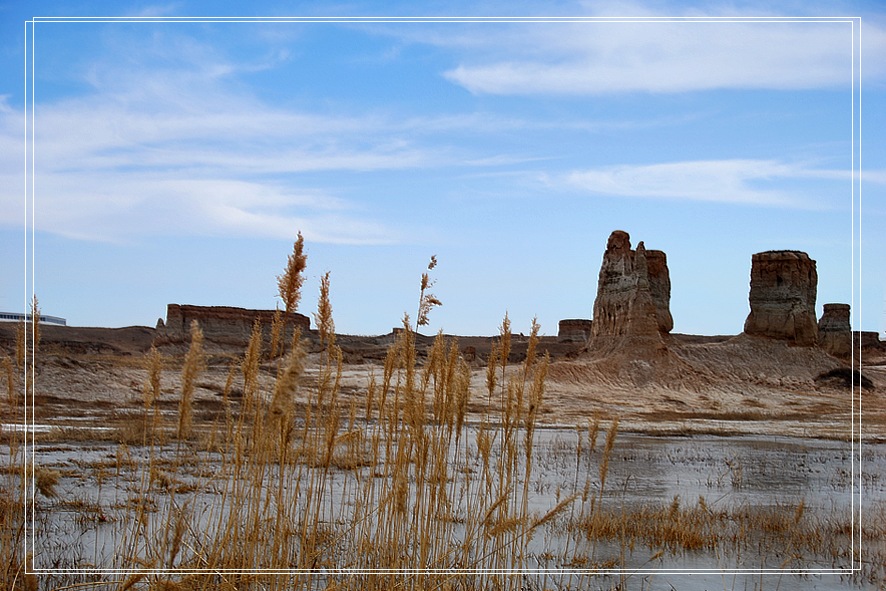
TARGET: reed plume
(323,317)
(427,301)
(195,363)
(290,282)
(607,452)
(286,386)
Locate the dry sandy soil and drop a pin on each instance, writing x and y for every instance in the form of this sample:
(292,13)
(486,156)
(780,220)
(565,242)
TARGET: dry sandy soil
(690,384)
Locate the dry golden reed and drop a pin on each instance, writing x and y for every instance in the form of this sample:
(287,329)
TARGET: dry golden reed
(427,301)
(35,326)
(290,282)
(151,389)
(10,380)
(20,345)
(323,317)
(195,363)
(278,330)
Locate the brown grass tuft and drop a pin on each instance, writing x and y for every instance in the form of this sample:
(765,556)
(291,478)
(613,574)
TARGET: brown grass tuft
(45,480)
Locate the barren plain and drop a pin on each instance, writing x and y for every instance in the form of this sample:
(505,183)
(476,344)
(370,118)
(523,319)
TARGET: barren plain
(692,384)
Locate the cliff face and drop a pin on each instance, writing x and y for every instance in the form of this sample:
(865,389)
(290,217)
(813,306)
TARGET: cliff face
(835,331)
(223,324)
(633,291)
(782,297)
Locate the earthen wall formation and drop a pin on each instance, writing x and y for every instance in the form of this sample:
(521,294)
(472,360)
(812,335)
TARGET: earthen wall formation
(224,324)
(867,339)
(574,330)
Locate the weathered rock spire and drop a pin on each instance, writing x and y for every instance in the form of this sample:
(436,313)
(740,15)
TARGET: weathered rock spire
(633,291)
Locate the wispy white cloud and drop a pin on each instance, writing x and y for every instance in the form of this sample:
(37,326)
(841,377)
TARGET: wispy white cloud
(174,148)
(118,208)
(152,10)
(874,176)
(667,57)
(739,181)
(657,55)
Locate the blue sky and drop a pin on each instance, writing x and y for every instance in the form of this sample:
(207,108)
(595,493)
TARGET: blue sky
(176,161)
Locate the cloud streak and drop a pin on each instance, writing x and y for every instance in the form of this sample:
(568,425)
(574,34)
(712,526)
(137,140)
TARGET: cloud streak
(738,181)
(176,149)
(121,208)
(661,56)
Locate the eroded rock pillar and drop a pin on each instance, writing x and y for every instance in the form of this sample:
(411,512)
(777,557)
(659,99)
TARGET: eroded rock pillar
(782,297)
(633,291)
(835,331)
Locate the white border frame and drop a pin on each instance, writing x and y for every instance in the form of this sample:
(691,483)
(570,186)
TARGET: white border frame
(30,279)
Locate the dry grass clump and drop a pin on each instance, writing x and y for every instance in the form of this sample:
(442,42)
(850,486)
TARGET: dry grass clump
(785,536)
(11,532)
(45,481)
(12,504)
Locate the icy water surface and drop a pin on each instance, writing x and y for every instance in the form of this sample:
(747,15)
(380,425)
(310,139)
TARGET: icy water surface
(835,482)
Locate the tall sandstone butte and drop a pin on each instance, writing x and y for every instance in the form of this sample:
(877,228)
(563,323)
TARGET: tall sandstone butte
(782,297)
(633,291)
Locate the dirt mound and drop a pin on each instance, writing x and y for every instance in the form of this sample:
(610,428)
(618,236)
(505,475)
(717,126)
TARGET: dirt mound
(759,360)
(740,384)
(736,362)
(640,361)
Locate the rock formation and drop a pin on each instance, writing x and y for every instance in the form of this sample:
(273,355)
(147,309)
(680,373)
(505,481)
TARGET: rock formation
(223,324)
(633,291)
(574,330)
(834,330)
(660,287)
(782,297)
